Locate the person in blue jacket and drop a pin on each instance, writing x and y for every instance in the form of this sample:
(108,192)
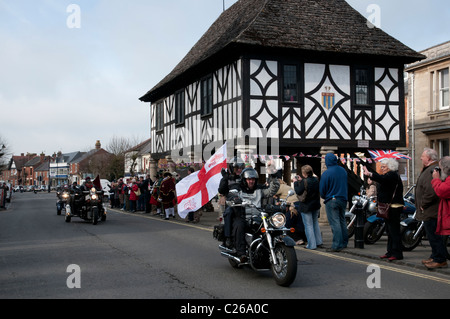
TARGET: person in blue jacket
(334,189)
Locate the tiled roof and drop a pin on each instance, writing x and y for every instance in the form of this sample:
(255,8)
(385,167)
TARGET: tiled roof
(330,26)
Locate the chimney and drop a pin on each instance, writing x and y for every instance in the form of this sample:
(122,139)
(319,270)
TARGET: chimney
(98,145)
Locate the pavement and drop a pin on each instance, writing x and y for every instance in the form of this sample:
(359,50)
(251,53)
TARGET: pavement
(411,259)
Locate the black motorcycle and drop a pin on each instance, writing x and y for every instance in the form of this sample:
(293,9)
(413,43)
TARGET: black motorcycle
(269,248)
(87,205)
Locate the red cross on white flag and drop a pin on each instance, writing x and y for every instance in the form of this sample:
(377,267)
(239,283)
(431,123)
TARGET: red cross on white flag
(198,188)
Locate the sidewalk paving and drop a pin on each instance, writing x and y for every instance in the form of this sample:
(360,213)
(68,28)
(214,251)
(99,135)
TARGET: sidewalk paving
(410,258)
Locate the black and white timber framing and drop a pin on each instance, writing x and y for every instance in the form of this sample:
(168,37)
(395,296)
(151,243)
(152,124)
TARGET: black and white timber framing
(345,83)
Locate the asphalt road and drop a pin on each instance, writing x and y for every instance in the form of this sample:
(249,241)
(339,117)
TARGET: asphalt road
(140,256)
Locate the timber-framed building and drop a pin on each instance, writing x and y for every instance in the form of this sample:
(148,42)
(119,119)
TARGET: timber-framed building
(311,76)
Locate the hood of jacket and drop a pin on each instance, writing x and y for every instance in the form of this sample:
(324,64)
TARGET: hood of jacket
(330,160)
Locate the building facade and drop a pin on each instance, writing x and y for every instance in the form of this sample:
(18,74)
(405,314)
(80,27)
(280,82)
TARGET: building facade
(283,78)
(429,104)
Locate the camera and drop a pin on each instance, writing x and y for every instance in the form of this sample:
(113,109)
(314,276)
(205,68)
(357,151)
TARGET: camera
(437,169)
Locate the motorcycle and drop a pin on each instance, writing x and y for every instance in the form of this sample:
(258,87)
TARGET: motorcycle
(363,202)
(269,248)
(412,231)
(375,226)
(87,205)
(63,201)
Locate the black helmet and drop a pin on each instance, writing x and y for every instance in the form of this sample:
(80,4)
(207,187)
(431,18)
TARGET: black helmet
(236,162)
(249,172)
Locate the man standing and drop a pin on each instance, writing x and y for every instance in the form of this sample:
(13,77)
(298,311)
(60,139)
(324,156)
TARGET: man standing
(334,189)
(427,206)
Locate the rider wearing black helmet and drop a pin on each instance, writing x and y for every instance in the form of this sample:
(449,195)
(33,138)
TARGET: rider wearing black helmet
(248,190)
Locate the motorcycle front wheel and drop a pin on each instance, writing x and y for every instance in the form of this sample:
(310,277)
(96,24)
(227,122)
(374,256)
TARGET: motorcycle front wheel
(94,215)
(285,270)
(373,231)
(407,236)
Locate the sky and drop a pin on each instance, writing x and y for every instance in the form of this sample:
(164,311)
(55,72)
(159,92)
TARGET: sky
(72,75)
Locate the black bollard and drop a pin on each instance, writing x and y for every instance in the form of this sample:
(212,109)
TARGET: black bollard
(359,229)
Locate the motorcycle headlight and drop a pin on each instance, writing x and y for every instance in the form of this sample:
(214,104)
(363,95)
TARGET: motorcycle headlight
(65,196)
(278,220)
(355,199)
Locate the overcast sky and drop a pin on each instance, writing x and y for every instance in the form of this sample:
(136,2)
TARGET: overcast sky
(63,88)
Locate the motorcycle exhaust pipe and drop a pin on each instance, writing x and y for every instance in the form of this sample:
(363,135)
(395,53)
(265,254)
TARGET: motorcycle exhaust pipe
(230,256)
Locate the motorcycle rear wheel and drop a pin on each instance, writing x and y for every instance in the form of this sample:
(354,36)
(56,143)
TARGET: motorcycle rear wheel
(285,270)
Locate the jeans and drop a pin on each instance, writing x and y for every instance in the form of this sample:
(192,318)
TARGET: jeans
(312,229)
(438,249)
(336,217)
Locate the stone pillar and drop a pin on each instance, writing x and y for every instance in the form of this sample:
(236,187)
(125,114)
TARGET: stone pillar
(152,168)
(170,163)
(287,172)
(324,150)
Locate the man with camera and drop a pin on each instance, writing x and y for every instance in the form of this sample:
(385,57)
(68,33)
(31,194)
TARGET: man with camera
(427,206)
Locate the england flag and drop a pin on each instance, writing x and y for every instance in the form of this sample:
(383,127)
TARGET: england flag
(198,188)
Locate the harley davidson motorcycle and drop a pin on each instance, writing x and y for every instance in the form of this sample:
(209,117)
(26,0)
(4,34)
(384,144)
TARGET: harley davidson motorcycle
(269,248)
(87,205)
(63,201)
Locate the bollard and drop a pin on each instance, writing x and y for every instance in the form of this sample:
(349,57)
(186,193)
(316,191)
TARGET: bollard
(359,229)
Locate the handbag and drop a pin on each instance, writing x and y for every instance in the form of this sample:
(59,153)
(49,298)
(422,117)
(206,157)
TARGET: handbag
(384,208)
(302,197)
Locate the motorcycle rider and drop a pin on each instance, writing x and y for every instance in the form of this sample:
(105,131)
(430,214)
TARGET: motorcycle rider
(249,191)
(87,185)
(230,180)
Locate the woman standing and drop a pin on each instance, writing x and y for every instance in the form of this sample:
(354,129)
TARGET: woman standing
(390,190)
(310,208)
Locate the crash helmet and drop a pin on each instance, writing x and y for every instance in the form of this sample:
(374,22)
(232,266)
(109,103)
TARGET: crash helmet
(247,173)
(236,162)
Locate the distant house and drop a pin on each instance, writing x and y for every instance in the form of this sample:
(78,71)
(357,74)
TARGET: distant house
(285,77)
(15,172)
(137,159)
(29,170)
(429,103)
(92,163)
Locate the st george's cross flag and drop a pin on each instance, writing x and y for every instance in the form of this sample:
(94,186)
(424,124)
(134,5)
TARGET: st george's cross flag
(198,188)
(380,154)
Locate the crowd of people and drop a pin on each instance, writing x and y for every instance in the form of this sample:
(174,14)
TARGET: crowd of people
(432,199)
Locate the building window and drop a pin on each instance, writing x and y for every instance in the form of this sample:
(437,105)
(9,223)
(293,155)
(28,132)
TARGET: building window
(207,96)
(179,108)
(443,89)
(362,86)
(290,91)
(159,117)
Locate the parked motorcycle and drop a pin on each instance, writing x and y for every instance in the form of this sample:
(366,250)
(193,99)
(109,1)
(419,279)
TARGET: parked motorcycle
(363,202)
(269,248)
(412,231)
(375,226)
(87,205)
(63,200)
